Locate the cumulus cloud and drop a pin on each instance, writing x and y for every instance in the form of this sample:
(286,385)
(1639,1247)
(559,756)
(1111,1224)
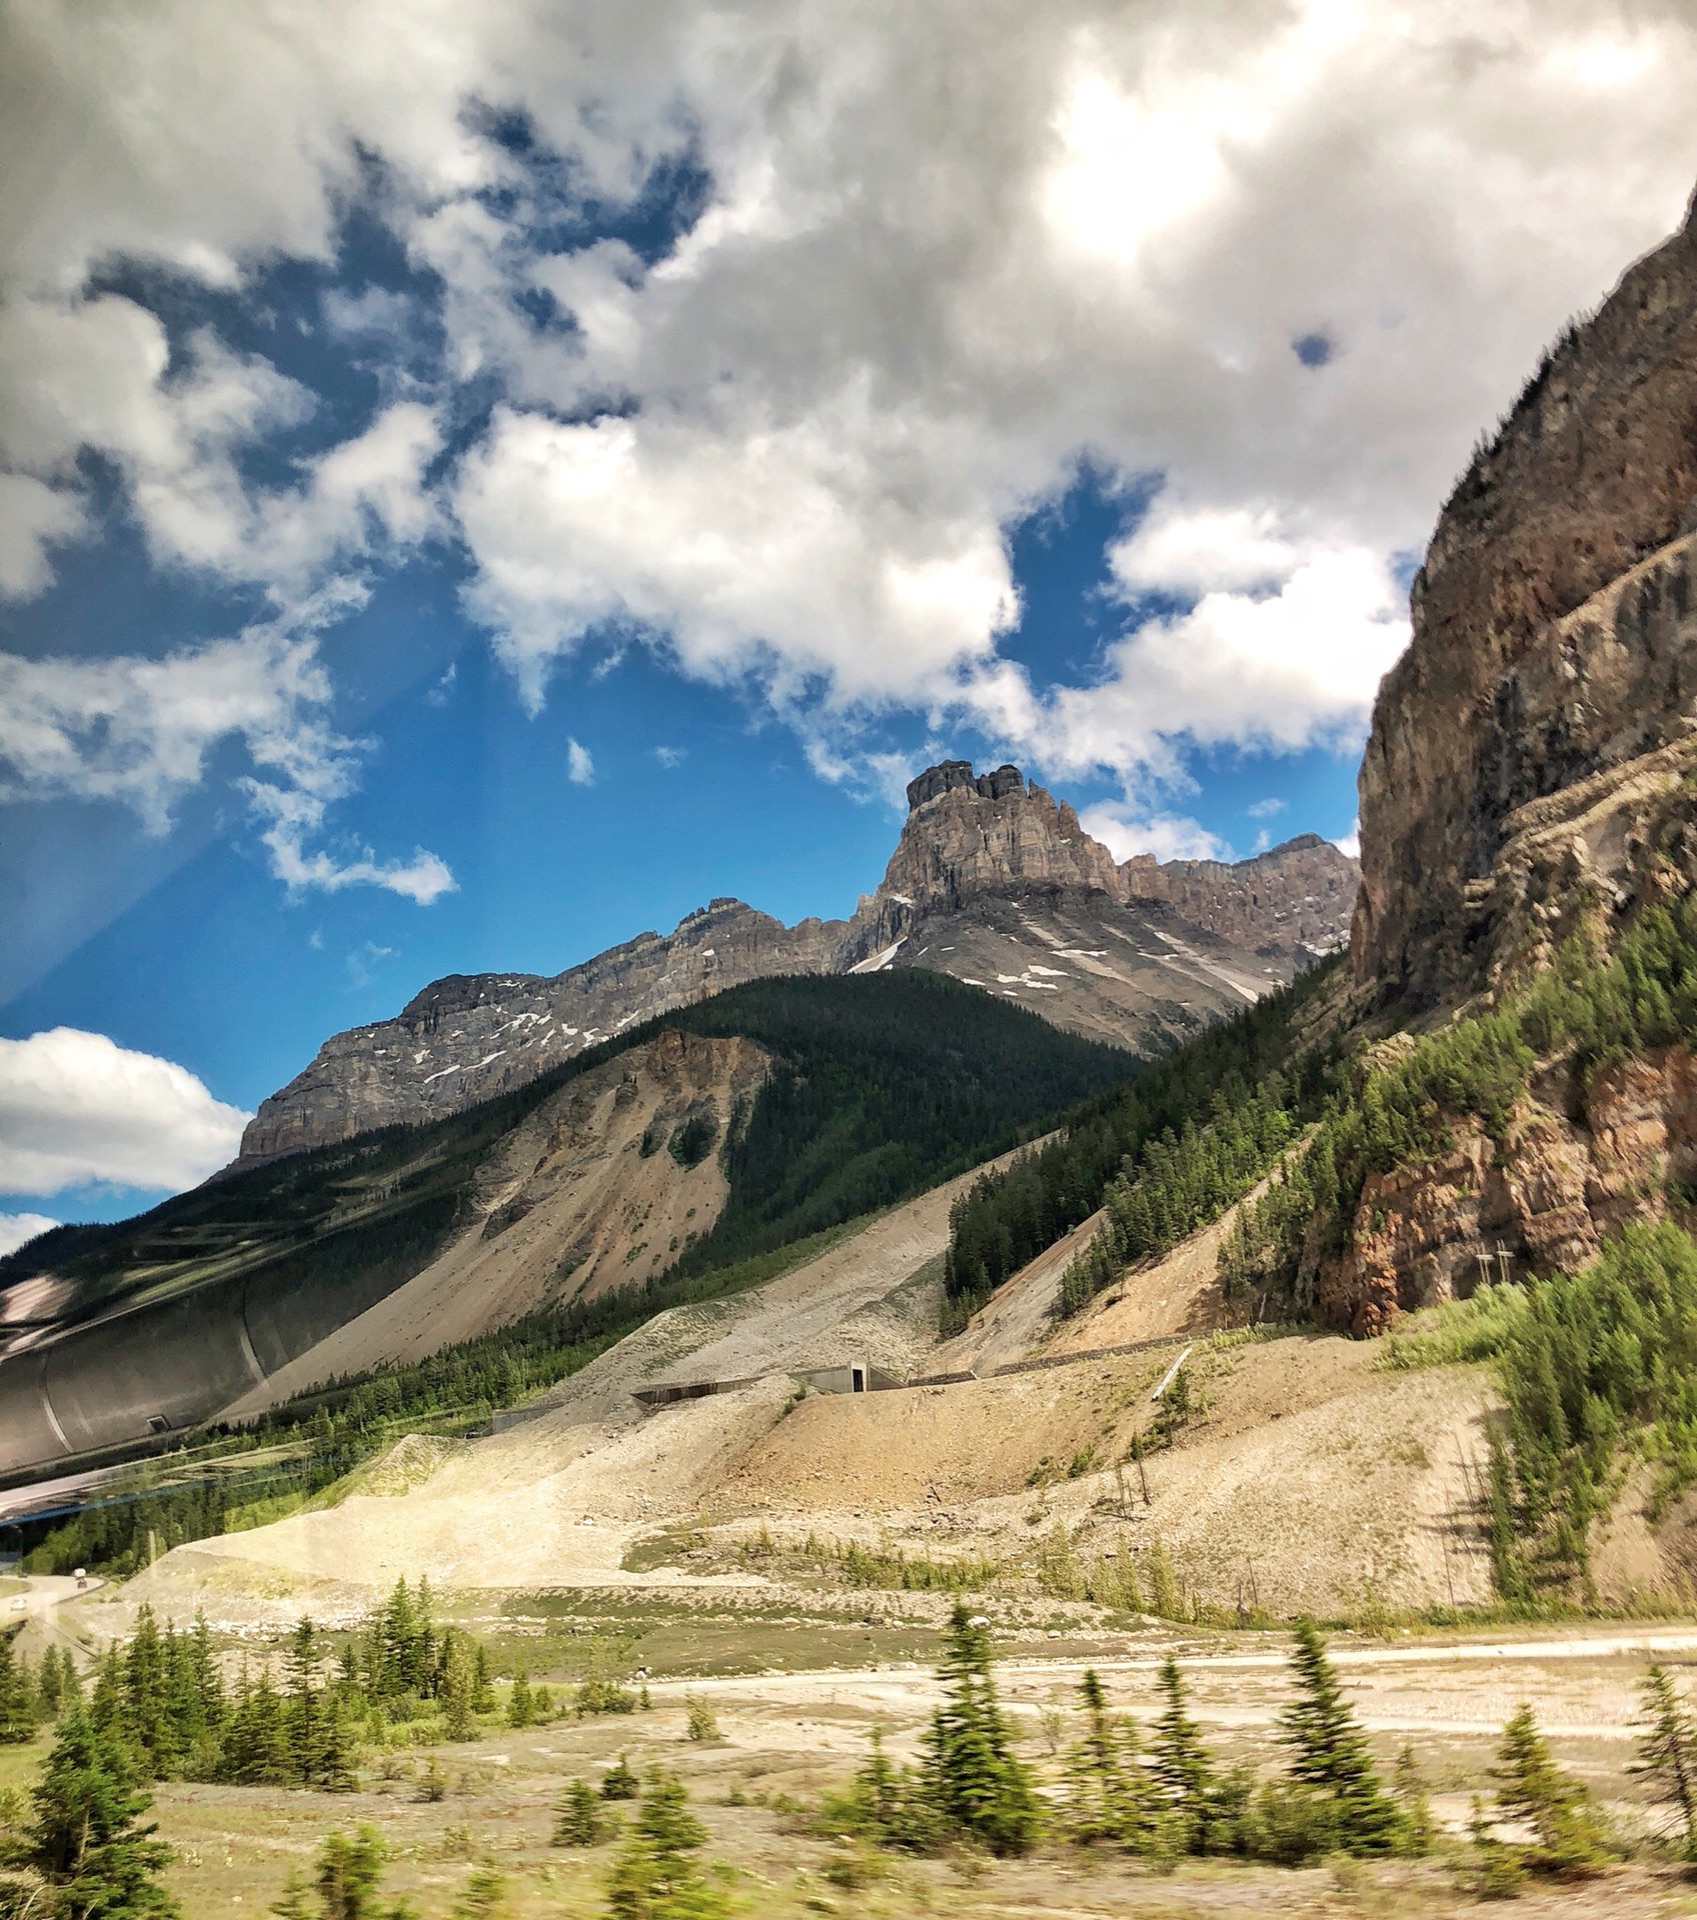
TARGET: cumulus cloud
(1167,836)
(75,1107)
(1291,665)
(580,765)
(139,732)
(18,1229)
(788,450)
(906,313)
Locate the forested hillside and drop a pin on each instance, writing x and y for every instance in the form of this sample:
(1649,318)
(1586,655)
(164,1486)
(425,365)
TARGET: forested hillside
(1251,1064)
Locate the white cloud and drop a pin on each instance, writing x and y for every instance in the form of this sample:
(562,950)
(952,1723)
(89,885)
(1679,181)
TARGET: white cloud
(1350,842)
(96,374)
(1266,809)
(33,517)
(18,1229)
(670,757)
(1167,836)
(790,450)
(140,732)
(75,1107)
(580,765)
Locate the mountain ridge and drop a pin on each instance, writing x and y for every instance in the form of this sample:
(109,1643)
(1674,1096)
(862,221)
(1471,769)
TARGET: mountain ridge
(991,880)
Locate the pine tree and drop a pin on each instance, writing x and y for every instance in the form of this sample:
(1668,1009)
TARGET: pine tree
(483,1685)
(578,1817)
(257,1749)
(485,1894)
(1667,1752)
(654,1876)
(87,1841)
(457,1688)
(1418,1824)
(17,1696)
(49,1685)
(146,1685)
(1182,1767)
(620,1782)
(1330,1755)
(349,1874)
(971,1774)
(291,1903)
(518,1701)
(1108,1796)
(1533,1789)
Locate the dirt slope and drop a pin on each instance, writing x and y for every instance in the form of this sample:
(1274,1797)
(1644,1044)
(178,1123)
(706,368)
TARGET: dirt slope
(557,1499)
(583,1196)
(1307,1475)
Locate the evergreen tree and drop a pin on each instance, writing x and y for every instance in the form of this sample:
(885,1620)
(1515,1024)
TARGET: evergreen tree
(87,1841)
(17,1696)
(49,1683)
(1182,1767)
(483,1684)
(654,1875)
(1667,1753)
(971,1774)
(257,1748)
(578,1817)
(291,1903)
(1108,1795)
(485,1894)
(1419,1826)
(1533,1789)
(458,1686)
(146,1686)
(620,1782)
(519,1711)
(350,1873)
(1330,1755)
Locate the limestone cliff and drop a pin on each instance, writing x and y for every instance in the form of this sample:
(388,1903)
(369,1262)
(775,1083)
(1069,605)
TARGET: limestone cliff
(1528,752)
(465,1039)
(1291,902)
(1530,776)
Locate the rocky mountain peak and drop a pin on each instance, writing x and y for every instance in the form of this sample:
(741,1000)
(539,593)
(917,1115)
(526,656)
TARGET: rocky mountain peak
(950,776)
(992,880)
(967,832)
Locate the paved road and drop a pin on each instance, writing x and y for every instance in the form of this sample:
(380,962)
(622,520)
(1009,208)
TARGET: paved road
(46,1591)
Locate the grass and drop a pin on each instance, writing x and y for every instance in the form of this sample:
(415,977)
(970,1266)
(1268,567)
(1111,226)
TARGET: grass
(1458,1334)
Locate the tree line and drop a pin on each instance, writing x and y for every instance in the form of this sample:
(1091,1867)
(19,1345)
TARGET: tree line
(85,1852)
(1008,1218)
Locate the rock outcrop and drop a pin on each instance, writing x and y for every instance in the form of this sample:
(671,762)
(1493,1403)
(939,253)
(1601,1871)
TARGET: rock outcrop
(992,881)
(1579,1162)
(469,1038)
(1528,752)
(1290,903)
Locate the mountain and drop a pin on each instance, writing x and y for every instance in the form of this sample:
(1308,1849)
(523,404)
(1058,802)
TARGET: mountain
(1529,754)
(991,881)
(670,1164)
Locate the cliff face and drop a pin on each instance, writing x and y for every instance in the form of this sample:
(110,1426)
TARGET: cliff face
(1528,750)
(1291,902)
(991,881)
(1531,775)
(465,1039)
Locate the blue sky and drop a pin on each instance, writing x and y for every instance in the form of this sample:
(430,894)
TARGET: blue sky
(464,501)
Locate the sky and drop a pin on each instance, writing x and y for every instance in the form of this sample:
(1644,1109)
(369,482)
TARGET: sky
(479,478)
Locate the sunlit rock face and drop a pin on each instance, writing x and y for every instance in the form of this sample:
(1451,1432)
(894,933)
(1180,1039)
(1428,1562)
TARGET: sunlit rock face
(1529,752)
